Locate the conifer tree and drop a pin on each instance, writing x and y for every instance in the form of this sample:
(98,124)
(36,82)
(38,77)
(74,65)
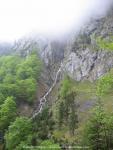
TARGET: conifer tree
(96,131)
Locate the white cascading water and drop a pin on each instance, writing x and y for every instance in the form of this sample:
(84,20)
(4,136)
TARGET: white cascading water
(43,100)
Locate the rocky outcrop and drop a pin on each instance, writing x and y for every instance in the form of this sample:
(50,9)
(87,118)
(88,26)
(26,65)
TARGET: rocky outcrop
(53,53)
(85,60)
(81,57)
(88,64)
(50,51)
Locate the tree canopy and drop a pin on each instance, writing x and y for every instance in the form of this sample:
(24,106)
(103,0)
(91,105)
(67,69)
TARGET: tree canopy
(20,131)
(7,113)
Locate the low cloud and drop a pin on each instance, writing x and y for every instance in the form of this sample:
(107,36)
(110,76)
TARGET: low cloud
(53,17)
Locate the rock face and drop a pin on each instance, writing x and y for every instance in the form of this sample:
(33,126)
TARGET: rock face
(53,53)
(81,57)
(88,64)
(84,59)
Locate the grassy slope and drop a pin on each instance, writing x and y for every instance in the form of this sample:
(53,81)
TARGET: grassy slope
(86,99)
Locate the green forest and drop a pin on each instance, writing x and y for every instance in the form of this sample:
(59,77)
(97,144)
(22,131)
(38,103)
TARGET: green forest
(56,74)
(60,125)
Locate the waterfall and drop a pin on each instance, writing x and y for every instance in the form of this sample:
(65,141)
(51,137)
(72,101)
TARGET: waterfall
(43,100)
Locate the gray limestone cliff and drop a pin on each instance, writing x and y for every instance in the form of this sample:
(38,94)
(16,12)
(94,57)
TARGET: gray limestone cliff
(82,59)
(85,60)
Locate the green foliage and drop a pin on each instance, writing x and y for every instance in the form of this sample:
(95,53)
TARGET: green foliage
(105,43)
(8,90)
(19,134)
(48,144)
(26,90)
(99,130)
(7,113)
(9,79)
(44,124)
(95,130)
(105,84)
(23,145)
(30,68)
(61,113)
(67,110)
(73,120)
(8,66)
(18,77)
(66,86)
(2,98)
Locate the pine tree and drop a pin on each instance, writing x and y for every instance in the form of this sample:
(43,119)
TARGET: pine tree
(96,131)
(73,120)
(61,114)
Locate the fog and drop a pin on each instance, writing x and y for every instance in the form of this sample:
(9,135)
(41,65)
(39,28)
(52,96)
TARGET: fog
(51,17)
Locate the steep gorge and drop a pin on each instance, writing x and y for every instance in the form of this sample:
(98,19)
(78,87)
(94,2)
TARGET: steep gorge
(43,100)
(80,56)
(58,88)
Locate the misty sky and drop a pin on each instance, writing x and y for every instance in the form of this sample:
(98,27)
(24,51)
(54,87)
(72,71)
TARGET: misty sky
(19,17)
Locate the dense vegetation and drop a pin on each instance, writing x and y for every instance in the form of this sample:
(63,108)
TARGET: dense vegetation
(18,83)
(18,77)
(19,133)
(99,129)
(106,44)
(63,124)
